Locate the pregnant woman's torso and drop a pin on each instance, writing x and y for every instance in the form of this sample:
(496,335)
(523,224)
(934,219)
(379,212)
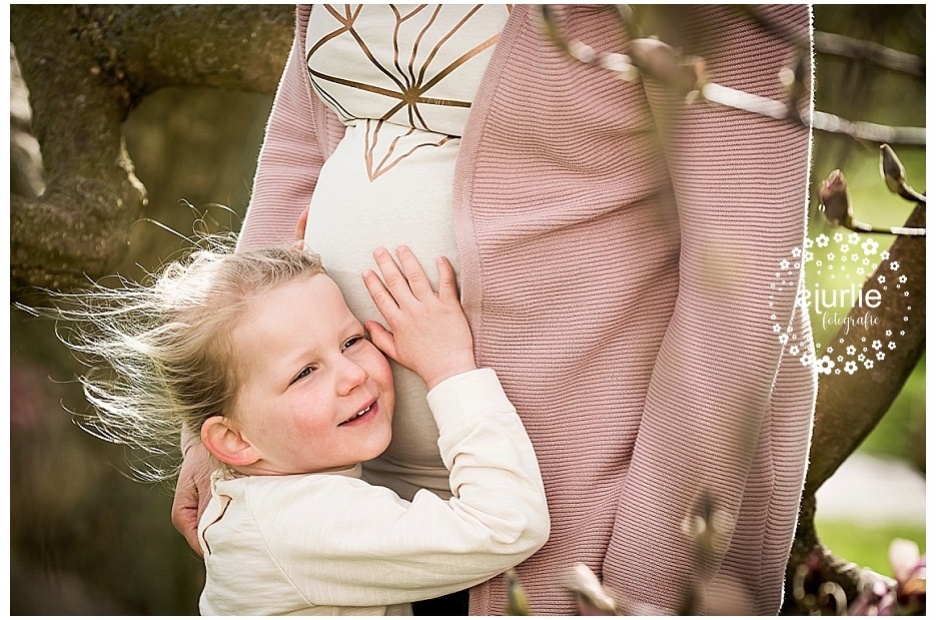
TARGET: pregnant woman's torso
(402,78)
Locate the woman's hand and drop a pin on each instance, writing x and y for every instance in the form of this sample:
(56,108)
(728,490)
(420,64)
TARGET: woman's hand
(192,494)
(429,333)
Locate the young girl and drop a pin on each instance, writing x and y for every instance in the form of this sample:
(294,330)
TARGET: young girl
(259,351)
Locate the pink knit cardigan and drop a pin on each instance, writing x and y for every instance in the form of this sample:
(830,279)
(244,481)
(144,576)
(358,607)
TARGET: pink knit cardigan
(624,298)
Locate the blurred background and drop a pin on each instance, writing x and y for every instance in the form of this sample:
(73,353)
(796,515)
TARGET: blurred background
(85,538)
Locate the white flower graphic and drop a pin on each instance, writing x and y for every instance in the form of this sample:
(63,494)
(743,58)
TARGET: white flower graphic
(844,247)
(807,256)
(902,279)
(891,345)
(776,328)
(784,338)
(784,264)
(861,357)
(854,258)
(851,367)
(870,246)
(808,243)
(869,364)
(825,365)
(885,255)
(831,255)
(794,350)
(837,237)
(880,356)
(796,252)
(854,238)
(822,241)
(895,266)
(888,333)
(806,359)
(882,279)
(876,345)
(850,349)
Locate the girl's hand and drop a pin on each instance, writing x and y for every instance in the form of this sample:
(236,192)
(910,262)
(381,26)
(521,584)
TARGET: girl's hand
(429,333)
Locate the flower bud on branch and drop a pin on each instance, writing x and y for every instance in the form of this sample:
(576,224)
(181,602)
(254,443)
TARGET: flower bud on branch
(895,176)
(590,596)
(835,205)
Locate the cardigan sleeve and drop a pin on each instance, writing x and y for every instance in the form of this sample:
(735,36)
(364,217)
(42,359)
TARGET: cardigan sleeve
(290,158)
(740,182)
(360,545)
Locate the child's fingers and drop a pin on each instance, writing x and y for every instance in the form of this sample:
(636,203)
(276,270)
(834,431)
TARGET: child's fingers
(382,298)
(381,338)
(301,227)
(448,288)
(394,280)
(414,274)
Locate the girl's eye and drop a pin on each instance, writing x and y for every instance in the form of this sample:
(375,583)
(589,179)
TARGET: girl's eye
(305,373)
(351,342)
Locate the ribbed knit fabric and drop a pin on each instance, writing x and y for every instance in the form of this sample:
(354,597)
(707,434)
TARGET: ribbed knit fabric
(622,292)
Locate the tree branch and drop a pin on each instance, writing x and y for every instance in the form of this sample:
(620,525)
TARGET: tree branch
(86,68)
(847,47)
(850,406)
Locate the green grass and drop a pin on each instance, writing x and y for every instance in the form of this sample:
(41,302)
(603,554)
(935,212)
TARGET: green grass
(867,545)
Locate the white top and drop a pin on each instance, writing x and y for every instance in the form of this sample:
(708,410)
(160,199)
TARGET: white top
(332,544)
(401,77)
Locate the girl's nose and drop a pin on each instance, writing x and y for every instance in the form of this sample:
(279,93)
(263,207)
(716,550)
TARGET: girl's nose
(350,375)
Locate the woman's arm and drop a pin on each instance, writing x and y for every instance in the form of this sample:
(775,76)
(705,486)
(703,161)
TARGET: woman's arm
(741,185)
(291,156)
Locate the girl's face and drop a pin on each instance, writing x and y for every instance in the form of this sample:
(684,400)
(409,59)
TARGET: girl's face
(315,394)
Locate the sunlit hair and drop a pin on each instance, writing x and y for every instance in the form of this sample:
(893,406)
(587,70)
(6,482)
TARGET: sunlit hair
(165,343)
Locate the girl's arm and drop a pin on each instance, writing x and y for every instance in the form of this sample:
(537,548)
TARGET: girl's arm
(355,544)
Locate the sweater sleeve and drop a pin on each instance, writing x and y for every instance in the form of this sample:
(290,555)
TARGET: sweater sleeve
(290,158)
(740,182)
(363,545)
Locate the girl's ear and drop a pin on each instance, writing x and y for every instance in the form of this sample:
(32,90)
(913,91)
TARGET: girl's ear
(225,442)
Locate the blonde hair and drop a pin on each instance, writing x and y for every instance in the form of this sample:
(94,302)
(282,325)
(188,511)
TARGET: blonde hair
(165,343)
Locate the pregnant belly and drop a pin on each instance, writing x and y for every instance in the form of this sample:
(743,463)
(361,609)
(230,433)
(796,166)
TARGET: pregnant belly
(386,186)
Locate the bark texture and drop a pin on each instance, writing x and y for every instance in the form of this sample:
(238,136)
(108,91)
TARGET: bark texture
(86,67)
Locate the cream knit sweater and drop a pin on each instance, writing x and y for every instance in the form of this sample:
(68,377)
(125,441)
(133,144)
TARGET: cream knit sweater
(623,295)
(333,545)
